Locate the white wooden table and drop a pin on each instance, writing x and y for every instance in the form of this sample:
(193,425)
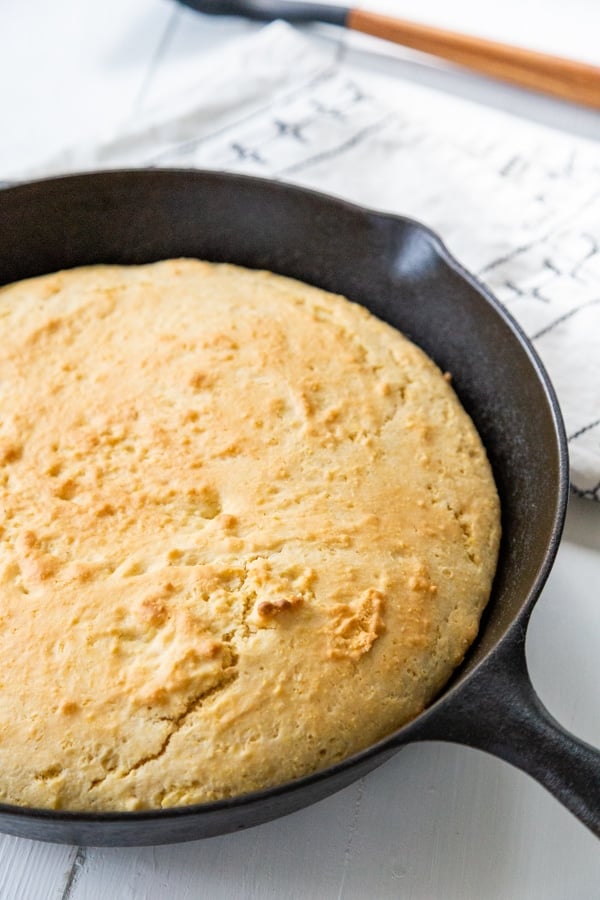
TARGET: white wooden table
(437,821)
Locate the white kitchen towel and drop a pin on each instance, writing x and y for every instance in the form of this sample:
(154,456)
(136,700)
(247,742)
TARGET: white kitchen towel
(518,204)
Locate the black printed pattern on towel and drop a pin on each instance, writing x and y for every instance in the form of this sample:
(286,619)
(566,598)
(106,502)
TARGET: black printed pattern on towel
(549,279)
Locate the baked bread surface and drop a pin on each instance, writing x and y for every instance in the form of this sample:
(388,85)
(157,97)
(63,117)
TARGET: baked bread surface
(246,530)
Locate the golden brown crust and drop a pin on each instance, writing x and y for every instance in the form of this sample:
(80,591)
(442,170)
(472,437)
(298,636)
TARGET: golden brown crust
(247,529)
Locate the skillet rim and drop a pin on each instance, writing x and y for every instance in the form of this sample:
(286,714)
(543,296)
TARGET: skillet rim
(518,622)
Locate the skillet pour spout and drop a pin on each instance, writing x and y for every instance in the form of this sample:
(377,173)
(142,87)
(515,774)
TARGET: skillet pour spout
(402,272)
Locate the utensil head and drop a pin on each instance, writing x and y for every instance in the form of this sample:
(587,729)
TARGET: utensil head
(269,10)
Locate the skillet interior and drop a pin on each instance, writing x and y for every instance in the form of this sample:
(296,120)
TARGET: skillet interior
(402,273)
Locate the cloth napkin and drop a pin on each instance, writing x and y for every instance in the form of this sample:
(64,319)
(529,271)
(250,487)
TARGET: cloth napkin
(518,204)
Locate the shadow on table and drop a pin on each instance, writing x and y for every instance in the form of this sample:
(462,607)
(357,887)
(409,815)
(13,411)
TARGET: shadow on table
(437,821)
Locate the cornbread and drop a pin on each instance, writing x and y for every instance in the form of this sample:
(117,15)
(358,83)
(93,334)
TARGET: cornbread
(247,529)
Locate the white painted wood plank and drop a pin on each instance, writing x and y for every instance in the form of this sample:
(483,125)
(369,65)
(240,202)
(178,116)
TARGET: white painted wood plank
(70,69)
(30,870)
(449,822)
(297,857)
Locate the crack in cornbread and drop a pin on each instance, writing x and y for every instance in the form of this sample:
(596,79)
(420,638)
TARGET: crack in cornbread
(246,530)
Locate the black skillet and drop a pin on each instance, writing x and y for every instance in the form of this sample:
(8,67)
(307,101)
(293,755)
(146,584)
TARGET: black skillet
(404,274)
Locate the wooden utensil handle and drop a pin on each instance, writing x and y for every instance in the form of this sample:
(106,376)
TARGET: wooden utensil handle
(564,78)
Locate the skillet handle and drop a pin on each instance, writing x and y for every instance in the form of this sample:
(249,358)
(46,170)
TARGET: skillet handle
(498,711)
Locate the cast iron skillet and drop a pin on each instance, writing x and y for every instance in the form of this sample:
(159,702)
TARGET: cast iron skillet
(404,274)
